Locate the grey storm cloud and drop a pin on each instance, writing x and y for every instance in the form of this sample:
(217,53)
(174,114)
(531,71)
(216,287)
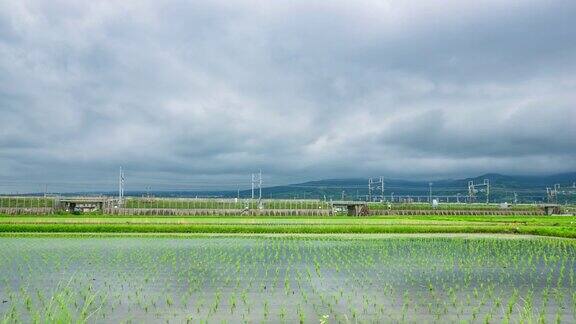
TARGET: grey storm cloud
(199,94)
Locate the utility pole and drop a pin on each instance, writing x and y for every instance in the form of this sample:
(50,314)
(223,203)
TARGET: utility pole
(257,182)
(121,187)
(487,184)
(369,189)
(551,194)
(252,182)
(430,192)
(556,191)
(259,185)
(515,197)
(471,192)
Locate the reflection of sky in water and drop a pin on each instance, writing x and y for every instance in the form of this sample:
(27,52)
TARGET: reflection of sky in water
(274,279)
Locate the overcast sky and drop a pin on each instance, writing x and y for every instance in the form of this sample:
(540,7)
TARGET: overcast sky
(198,94)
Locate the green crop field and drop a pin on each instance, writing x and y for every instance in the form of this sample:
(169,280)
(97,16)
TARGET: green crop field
(93,268)
(561,226)
(498,279)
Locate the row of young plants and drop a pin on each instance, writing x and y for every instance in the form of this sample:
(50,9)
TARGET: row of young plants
(566,231)
(276,280)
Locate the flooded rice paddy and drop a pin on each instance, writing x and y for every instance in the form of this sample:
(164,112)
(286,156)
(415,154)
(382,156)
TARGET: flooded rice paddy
(283,279)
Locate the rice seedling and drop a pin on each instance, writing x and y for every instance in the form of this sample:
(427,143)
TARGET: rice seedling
(286,279)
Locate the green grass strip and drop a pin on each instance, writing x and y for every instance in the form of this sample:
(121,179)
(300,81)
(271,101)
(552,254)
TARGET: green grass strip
(559,231)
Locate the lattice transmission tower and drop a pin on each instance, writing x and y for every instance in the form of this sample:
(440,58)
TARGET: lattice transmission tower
(376,189)
(473,190)
(256,183)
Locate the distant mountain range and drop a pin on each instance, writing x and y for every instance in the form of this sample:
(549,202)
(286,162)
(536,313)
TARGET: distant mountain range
(502,188)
